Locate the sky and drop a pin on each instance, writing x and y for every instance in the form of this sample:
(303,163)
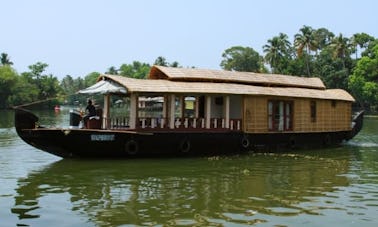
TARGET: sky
(77,37)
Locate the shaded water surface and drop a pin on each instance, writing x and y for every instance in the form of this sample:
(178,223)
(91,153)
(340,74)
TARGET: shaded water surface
(330,187)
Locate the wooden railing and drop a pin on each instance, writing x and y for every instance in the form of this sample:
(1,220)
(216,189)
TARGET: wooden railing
(118,123)
(179,123)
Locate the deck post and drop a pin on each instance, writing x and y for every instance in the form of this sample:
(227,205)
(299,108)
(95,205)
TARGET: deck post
(182,105)
(106,113)
(172,104)
(196,108)
(208,111)
(165,107)
(227,111)
(133,110)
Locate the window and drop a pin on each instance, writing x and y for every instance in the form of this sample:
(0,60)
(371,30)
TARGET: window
(313,111)
(333,103)
(280,115)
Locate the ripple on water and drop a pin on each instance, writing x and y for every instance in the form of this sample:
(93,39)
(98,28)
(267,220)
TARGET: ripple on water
(367,144)
(8,137)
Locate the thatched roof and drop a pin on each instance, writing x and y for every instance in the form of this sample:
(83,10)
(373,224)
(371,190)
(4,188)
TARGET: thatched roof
(261,79)
(159,86)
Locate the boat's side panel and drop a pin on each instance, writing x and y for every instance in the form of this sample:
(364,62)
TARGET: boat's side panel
(96,143)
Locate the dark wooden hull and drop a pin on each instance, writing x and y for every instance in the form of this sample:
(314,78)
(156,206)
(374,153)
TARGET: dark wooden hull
(86,143)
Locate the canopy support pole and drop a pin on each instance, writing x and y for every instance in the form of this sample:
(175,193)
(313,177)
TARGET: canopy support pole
(227,111)
(208,111)
(106,114)
(172,104)
(133,110)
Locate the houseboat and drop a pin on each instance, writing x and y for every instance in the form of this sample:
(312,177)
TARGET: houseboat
(188,111)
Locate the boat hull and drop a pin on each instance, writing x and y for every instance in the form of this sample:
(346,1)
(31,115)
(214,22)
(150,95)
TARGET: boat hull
(76,143)
(89,143)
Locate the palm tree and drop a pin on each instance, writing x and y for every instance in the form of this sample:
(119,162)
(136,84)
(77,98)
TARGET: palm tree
(305,41)
(277,51)
(340,48)
(112,71)
(4,59)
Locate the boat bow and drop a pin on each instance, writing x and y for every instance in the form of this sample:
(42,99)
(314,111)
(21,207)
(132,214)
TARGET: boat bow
(24,119)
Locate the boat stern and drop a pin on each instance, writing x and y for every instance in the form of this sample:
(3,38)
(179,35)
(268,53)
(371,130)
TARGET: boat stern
(357,124)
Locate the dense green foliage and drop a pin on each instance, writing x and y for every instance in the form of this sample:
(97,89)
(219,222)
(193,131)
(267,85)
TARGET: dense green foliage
(341,62)
(28,87)
(240,58)
(364,80)
(349,63)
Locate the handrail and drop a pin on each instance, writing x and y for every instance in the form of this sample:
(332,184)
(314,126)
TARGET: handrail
(179,123)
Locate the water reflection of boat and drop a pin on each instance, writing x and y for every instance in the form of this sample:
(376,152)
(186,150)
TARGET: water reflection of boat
(228,112)
(142,192)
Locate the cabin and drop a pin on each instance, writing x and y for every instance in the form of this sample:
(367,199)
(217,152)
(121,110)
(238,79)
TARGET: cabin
(216,100)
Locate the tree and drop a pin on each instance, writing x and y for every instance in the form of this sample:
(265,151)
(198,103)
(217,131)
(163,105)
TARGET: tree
(364,80)
(34,76)
(331,70)
(362,41)
(35,73)
(240,58)
(71,86)
(89,80)
(341,49)
(340,46)
(322,38)
(68,87)
(8,78)
(305,41)
(23,92)
(277,52)
(4,59)
(368,52)
(112,71)
(296,67)
(67,84)
(161,61)
(47,85)
(80,83)
(135,70)
(175,64)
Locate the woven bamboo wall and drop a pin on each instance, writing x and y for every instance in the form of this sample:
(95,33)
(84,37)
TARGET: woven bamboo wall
(329,117)
(255,114)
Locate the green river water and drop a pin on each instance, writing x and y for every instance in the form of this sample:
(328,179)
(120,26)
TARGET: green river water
(325,187)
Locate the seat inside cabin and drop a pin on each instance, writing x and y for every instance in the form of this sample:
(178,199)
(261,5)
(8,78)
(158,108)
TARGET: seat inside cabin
(95,122)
